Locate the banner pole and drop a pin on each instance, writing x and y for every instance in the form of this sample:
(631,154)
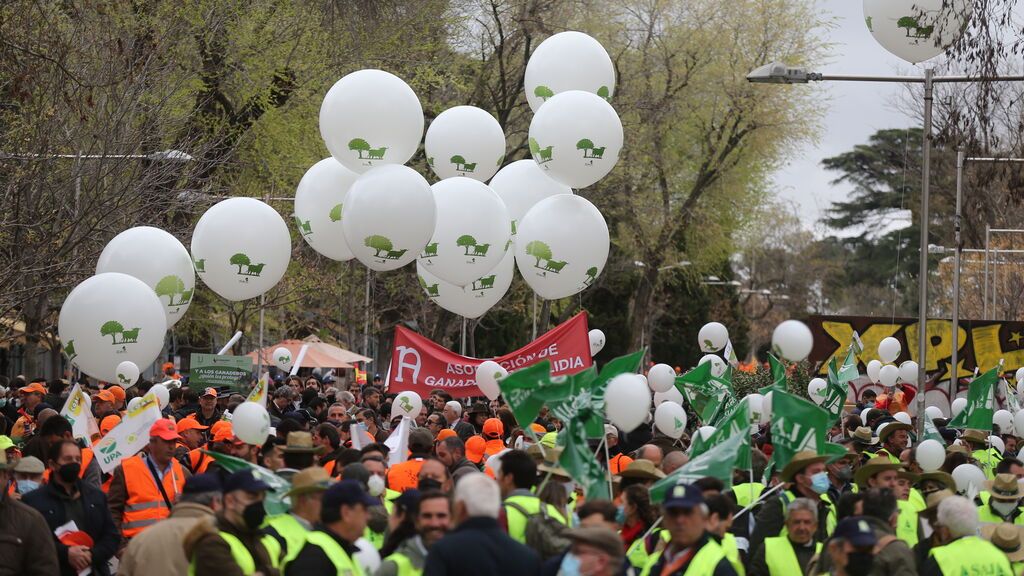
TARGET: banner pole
(462,348)
(761,498)
(366,316)
(598,451)
(259,354)
(611,488)
(534,337)
(230,343)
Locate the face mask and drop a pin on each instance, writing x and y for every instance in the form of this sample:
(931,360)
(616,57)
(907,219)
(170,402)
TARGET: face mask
(428,484)
(375,485)
(859,563)
(845,473)
(570,565)
(26,486)
(819,482)
(620,515)
(1004,509)
(253,515)
(69,472)
(3,402)
(362,426)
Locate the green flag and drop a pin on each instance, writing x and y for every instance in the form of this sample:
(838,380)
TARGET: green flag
(579,461)
(598,382)
(838,384)
(736,423)
(833,451)
(530,388)
(978,412)
(796,425)
(718,463)
(930,431)
(274,502)
(778,376)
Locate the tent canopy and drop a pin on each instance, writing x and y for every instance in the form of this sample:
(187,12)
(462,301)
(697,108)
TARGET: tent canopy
(320,354)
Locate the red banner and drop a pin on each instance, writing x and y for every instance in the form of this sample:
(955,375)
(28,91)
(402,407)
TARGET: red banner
(420,365)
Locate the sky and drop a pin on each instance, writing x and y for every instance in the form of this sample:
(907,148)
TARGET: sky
(853,111)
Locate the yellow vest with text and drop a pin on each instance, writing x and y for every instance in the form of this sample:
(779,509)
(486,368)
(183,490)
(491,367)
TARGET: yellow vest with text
(780,557)
(971,555)
(404,564)
(517,521)
(292,531)
(243,558)
(344,565)
(703,563)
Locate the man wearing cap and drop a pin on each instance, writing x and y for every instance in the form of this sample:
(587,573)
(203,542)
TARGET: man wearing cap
(103,404)
(119,397)
(478,413)
(208,412)
(306,494)
(493,430)
(405,475)
(234,545)
(594,550)
(691,549)
(432,520)
(169,372)
(879,472)
(617,461)
(452,453)
(962,552)
(28,548)
(299,453)
(851,548)
(988,457)
(475,454)
(1003,504)
(191,432)
(28,475)
(894,438)
(31,397)
(790,554)
(806,477)
(144,487)
(1007,538)
(330,546)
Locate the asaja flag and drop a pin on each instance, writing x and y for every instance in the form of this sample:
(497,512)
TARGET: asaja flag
(978,412)
(718,463)
(128,437)
(595,384)
(857,345)
(528,389)
(77,410)
(258,393)
(580,462)
(1012,403)
(736,423)
(796,425)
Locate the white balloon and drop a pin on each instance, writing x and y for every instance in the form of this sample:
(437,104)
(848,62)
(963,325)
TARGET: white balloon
(251,423)
(282,358)
(576,138)
(108,319)
(915,30)
(889,349)
(522,184)
(127,374)
(766,409)
(1019,376)
(465,141)
(596,341)
(627,401)
(934,412)
(319,202)
(816,388)
(997,443)
(474,299)
(389,217)
(718,366)
(1020,388)
(792,340)
(487,375)
(706,431)
(158,259)
(713,336)
(908,372)
(1018,422)
(561,246)
(1004,419)
(670,418)
(133,403)
(241,248)
(367,556)
(966,475)
(755,407)
(671,395)
(902,417)
(931,455)
(889,375)
(472,232)
(873,369)
(957,406)
(568,61)
(163,395)
(370,118)
(661,377)
(407,404)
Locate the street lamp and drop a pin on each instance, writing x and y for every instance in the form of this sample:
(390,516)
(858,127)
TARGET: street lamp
(778,73)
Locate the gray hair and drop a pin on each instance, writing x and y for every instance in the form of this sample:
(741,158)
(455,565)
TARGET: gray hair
(455,406)
(345,396)
(959,515)
(804,504)
(203,498)
(480,494)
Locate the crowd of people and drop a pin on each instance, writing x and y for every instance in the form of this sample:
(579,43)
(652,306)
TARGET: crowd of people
(479,493)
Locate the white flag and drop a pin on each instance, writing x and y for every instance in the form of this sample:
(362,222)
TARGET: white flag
(398,442)
(730,354)
(78,411)
(259,391)
(128,437)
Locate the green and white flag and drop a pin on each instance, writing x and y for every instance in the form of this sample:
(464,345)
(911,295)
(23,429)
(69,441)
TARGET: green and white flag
(580,462)
(275,502)
(848,371)
(718,463)
(833,451)
(796,425)
(1012,403)
(737,422)
(930,431)
(857,345)
(529,389)
(778,376)
(730,354)
(978,412)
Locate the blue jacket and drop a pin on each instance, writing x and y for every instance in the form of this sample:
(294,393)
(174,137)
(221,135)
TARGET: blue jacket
(48,500)
(479,547)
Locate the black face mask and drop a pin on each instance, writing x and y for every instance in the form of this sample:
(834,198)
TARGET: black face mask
(254,514)
(68,473)
(428,484)
(859,563)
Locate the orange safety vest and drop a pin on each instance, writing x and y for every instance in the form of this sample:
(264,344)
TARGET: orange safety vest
(199,461)
(618,463)
(87,456)
(145,505)
(402,477)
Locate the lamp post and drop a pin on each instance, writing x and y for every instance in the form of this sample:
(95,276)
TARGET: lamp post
(778,73)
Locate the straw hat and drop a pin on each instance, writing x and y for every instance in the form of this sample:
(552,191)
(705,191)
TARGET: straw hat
(976,436)
(300,443)
(891,427)
(943,478)
(312,479)
(1004,487)
(863,436)
(874,466)
(1007,538)
(800,460)
(642,468)
(933,499)
(549,463)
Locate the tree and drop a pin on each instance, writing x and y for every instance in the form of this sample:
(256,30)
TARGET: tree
(908,22)
(543,92)
(465,241)
(111,328)
(379,243)
(603,92)
(586,145)
(239,260)
(457,160)
(359,145)
(335,214)
(169,286)
(539,250)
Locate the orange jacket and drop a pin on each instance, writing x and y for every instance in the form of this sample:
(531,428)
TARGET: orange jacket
(145,505)
(198,461)
(619,462)
(404,476)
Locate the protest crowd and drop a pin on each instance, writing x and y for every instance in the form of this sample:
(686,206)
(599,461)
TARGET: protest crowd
(476,490)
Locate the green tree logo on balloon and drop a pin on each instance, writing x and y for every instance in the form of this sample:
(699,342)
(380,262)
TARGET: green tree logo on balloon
(914,28)
(123,379)
(460,164)
(592,273)
(304,228)
(543,92)
(383,248)
(467,243)
(335,213)
(172,286)
(113,328)
(432,290)
(241,260)
(603,92)
(485,283)
(359,146)
(542,252)
(430,250)
(541,155)
(589,151)
(200,265)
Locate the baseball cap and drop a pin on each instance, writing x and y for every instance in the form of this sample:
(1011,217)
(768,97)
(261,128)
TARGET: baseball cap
(164,429)
(189,424)
(475,448)
(446,433)
(167,365)
(538,429)
(683,497)
(208,482)
(104,396)
(610,430)
(347,492)
(30,465)
(210,392)
(245,480)
(222,431)
(420,440)
(493,428)
(108,423)
(118,392)
(856,530)
(34,387)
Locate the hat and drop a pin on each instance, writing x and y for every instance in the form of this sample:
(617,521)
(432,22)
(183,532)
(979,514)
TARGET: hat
(446,433)
(222,431)
(976,436)
(800,460)
(109,422)
(863,435)
(891,427)
(312,479)
(167,365)
(30,465)
(208,482)
(611,430)
(943,478)
(933,499)
(1004,487)
(479,408)
(538,429)
(683,497)
(408,499)
(857,531)
(599,537)
(190,424)
(475,447)
(118,392)
(347,492)
(874,466)
(210,392)
(1006,537)
(493,428)
(6,443)
(420,440)
(164,429)
(245,480)
(549,463)
(957,448)
(300,443)
(641,468)
(549,439)
(34,388)
(907,475)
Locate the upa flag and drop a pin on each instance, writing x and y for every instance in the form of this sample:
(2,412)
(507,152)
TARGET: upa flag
(736,423)
(718,463)
(128,437)
(978,412)
(77,410)
(796,425)
(360,375)
(259,391)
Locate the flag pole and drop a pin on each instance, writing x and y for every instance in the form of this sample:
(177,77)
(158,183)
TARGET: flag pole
(611,488)
(763,495)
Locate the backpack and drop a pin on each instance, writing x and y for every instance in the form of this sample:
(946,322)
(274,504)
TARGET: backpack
(544,533)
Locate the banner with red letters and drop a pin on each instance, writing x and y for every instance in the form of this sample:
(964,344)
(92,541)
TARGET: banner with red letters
(421,365)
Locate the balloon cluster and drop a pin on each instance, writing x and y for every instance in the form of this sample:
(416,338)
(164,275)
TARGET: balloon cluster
(885,371)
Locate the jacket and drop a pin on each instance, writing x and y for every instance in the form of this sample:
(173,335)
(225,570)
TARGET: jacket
(479,546)
(707,560)
(212,554)
(892,555)
(464,430)
(26,543)
(771,519)
(315,556)
(158,551)
(50,500)
(118,496)
(461,468)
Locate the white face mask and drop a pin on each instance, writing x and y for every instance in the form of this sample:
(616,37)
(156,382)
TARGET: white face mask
(375,485)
